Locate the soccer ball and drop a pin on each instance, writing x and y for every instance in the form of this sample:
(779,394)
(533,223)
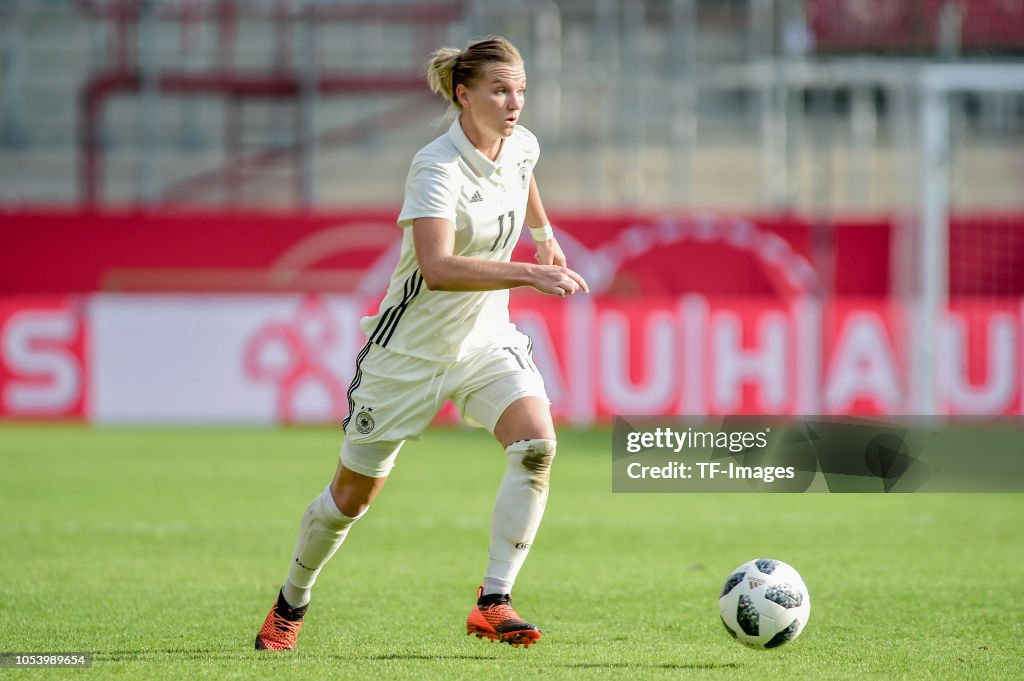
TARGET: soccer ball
(764,603)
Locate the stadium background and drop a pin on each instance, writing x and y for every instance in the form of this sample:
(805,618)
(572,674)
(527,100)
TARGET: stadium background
(758,190)
(784,207)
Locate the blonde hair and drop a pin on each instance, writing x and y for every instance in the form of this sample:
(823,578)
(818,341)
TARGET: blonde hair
(449,67)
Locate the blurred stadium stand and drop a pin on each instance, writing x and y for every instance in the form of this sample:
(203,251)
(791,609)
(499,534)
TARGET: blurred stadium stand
(655,104)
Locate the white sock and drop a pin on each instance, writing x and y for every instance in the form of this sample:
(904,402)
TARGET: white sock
(321,532)
(518,510)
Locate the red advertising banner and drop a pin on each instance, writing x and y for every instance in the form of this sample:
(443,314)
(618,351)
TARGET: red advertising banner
(191,358)
(227,317)
(692,355)
(43,364)
(623,254)
(712,254)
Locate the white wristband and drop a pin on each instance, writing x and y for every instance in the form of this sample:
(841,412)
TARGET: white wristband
(542,233)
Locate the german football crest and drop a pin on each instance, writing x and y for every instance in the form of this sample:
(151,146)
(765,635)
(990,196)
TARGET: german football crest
(524,175)
(364,422)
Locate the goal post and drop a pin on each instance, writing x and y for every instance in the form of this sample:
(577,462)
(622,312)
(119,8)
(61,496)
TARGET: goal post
(936,85)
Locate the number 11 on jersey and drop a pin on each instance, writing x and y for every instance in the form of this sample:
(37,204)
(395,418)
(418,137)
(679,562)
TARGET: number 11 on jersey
(501,229)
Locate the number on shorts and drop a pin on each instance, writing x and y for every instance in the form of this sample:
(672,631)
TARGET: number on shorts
(525,362)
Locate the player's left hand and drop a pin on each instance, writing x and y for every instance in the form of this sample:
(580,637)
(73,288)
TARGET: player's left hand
(550,253)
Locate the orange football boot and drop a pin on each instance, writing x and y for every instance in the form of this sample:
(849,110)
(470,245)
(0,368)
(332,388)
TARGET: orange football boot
(280,631)
(495,619)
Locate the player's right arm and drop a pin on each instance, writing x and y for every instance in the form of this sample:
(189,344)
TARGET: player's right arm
(442,270)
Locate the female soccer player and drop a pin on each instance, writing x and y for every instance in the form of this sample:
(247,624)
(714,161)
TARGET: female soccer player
(443,332)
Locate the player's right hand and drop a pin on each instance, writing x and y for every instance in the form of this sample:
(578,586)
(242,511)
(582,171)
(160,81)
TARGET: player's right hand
(558,281)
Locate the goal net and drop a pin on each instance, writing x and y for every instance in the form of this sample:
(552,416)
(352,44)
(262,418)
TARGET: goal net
(960,247)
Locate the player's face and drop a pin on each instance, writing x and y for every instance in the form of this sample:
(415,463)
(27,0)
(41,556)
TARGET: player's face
(497,98)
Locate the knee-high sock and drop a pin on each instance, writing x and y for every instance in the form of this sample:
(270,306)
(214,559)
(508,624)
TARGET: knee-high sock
(321,532)
(518,510)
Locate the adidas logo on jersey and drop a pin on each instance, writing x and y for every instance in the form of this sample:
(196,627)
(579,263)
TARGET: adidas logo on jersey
(476,198)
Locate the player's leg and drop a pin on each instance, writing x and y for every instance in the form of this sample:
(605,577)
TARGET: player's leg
(329,516)
(527,433)
(386,406)
(514,407)
(361,473)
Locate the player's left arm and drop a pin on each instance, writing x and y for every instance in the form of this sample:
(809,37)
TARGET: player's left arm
(548,251)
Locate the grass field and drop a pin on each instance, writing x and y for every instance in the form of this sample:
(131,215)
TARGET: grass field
(160,551)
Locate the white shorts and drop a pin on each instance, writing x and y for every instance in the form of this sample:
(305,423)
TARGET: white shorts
(395,397)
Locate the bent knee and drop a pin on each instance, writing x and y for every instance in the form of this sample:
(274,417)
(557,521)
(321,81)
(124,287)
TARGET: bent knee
(535,455)
(528,418)
(351,501)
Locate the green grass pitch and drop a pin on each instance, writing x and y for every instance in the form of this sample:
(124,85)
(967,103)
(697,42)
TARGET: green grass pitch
(160,551)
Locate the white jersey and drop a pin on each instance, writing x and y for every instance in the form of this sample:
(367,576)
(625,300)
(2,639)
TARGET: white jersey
(486,202)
